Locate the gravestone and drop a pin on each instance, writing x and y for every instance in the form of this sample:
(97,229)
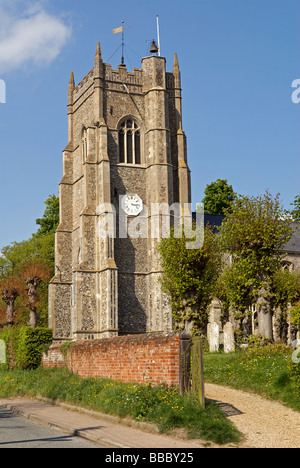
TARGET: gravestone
(2,352)
(296,343)
(213,337)
(228,331)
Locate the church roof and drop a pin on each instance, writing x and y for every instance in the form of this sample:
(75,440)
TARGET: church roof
(294,244)
(212,220)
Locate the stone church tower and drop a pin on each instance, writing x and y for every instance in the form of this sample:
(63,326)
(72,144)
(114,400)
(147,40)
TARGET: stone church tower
(126,150)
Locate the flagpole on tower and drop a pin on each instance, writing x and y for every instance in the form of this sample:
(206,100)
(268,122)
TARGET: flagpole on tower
(158,39)
(122,59)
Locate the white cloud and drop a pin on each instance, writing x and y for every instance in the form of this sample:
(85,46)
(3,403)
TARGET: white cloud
(29,36)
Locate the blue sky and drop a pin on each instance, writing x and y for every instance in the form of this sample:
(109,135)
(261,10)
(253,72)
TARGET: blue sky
(238,59)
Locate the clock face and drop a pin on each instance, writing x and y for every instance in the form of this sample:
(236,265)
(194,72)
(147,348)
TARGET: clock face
(132,204)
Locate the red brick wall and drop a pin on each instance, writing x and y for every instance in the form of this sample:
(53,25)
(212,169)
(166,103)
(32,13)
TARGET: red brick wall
(152,357)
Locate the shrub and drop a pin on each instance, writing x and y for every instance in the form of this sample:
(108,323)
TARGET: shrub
(294,370)
(295,314)
(27,345)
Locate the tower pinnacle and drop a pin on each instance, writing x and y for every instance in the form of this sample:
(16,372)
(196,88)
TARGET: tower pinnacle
(175,64)
(72,81)
(98,51)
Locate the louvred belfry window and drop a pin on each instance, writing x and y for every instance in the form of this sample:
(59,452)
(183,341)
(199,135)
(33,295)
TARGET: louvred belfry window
(129,143)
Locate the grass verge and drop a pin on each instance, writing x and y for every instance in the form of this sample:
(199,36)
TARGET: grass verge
(161,405)
(264,370)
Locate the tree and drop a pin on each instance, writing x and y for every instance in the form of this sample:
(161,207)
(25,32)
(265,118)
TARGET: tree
(40,246)
(296,210)
(189,277)
(286,288)
(218,197)
(49,222)
(17,254)
(254,233)
(295,314)
(9,296)
(10,289)
(33,274)
(234,292)
(15,259)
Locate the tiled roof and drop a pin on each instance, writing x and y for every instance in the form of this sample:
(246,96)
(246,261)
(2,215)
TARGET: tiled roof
(294,244)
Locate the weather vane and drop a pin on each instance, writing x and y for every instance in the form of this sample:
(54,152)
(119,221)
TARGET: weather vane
(121,29)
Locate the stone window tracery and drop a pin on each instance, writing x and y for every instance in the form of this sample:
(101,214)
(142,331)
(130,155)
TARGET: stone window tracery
(129,142)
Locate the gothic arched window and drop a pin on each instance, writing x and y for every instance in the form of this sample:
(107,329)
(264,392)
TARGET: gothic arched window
(129,142)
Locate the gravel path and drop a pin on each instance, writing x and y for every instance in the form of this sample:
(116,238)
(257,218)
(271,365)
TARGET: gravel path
(265,423)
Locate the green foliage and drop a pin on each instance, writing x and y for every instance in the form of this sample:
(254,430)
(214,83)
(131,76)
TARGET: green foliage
(15,255)
(258,343)
(254,233)
(294,371)
(42,305)
(65,347)
(234,288)
(295,314)
(286,287)
(27,345)
(39,248)
(218,197)
(189,277)
(31,344)
(296,210)
(264,369)
(161,405)
(50,220)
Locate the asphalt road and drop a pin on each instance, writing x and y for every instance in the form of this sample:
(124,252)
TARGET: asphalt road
(16,432)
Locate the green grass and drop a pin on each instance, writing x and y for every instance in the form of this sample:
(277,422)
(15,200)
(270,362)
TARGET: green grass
(161,405)
(264,370)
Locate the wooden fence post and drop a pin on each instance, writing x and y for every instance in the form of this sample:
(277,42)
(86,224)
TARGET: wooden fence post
(185,345)
(197,372)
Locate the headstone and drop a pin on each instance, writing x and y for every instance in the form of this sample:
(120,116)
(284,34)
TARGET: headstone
(2,352)
(228,331)
(213,337)
(296,343)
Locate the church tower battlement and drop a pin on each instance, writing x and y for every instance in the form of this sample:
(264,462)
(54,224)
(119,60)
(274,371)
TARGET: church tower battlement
(126,150)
